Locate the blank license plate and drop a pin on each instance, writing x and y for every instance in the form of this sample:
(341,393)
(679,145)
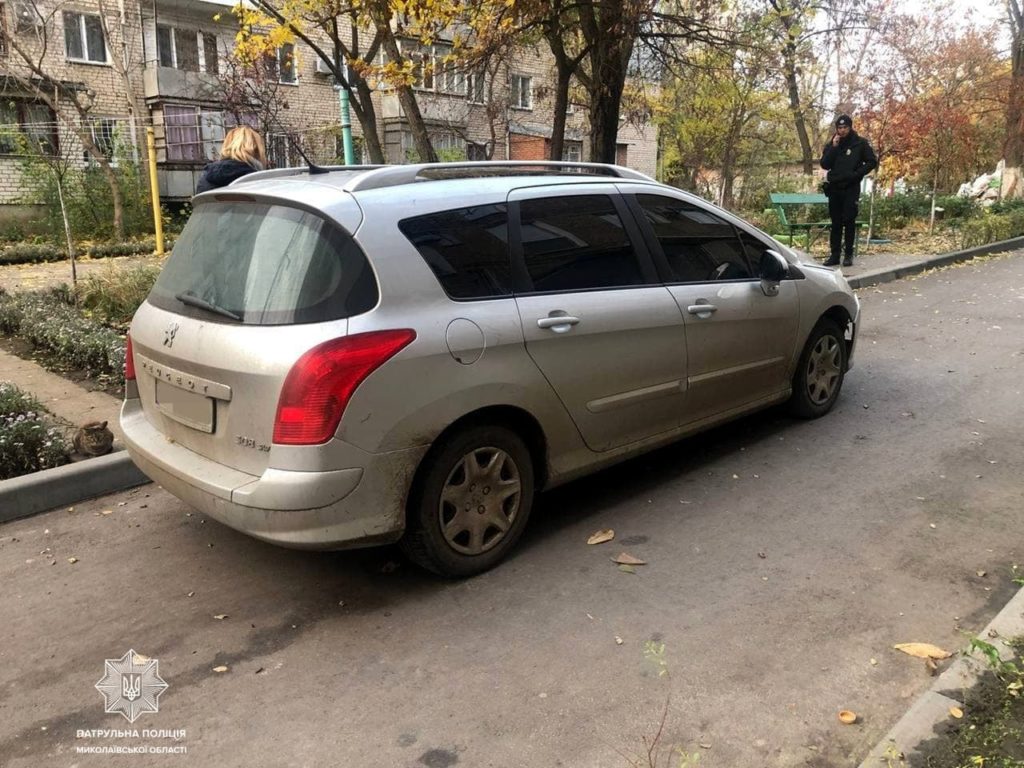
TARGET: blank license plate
(192,409)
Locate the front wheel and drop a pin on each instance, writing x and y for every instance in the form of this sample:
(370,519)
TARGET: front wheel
(470,502)
(820,371)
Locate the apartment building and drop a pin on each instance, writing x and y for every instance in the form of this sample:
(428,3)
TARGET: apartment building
(168,64)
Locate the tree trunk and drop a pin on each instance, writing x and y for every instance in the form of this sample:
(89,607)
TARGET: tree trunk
(67,229)
(1013,145)
(796,109)
(407,98)
(366,114)
(110,176)
(562,78)
(609,33)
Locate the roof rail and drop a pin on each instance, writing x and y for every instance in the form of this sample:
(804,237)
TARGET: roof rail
(273,173)
(393,175)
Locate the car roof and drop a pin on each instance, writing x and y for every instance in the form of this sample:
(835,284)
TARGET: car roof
(483,175)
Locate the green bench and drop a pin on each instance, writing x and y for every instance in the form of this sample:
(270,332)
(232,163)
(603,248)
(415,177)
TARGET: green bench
(782,199)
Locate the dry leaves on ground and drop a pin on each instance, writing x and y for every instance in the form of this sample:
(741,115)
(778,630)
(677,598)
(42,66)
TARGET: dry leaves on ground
(624,558)
(600,537)
(923,650)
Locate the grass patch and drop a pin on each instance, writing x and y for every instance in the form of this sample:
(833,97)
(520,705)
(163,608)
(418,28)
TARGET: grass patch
(28,443)
(113,295)
(991,734)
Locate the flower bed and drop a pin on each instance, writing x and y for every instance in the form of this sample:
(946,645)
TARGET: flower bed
(28,443)
(47,320)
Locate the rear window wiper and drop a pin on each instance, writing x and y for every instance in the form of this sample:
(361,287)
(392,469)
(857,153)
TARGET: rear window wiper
(187,297)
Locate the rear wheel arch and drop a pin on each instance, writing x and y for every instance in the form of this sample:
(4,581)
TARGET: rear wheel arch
(489,460)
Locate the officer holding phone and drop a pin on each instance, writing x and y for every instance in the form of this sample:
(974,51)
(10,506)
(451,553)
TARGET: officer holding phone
(848,158)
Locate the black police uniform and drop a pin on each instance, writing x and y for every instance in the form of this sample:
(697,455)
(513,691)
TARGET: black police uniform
(847,163)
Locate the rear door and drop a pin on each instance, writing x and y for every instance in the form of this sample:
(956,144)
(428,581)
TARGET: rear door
(739,341)
(597,321)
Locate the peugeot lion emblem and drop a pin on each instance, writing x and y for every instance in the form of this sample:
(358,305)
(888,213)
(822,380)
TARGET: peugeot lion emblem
(172,329)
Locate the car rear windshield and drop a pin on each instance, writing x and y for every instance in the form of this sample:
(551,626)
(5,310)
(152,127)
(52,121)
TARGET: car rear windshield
(264,264)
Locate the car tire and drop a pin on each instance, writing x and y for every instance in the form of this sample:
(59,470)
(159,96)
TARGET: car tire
(469,502)
(819,372)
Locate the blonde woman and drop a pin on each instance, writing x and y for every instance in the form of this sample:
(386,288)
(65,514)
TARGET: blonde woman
(242,152)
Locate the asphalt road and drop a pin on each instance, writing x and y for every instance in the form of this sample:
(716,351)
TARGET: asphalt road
(784,561)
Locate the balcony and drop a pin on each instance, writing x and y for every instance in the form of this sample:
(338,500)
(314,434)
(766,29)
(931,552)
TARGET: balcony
(170,83)
(448,109)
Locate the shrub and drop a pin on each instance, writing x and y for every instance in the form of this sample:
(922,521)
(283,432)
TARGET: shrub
(956,207)
(992,227)
(1007,206)
(27,253)
(897,211)
(47,320)
(113,295)
(27,443)
(131,248)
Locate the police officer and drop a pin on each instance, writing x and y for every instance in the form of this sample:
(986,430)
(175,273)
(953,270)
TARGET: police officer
(848,158)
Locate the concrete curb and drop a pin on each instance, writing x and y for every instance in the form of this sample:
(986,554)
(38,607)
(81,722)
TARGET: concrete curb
(40,491)
(889,274)
(925,717)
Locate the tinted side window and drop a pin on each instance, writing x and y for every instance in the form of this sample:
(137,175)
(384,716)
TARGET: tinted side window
(577,242)
(699,246)
(467,249)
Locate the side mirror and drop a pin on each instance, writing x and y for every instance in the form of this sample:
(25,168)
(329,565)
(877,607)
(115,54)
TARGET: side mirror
(772,270)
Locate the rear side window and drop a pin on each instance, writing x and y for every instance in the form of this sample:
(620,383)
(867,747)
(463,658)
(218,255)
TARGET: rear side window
(467,249)
(263,264)
(699,246)
(577,242)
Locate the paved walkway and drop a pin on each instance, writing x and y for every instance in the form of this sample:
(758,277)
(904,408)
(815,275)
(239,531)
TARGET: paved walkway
(32,277)
(70,402)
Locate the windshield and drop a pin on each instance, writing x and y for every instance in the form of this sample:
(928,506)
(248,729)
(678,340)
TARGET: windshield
(264,264)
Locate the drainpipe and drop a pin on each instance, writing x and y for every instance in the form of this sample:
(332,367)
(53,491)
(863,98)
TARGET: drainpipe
(346,124)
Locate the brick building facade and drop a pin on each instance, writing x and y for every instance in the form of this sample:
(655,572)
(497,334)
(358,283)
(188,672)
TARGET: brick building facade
(167,64)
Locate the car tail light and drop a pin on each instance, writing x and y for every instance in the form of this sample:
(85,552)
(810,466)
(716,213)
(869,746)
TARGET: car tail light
(319,386)
(129,360)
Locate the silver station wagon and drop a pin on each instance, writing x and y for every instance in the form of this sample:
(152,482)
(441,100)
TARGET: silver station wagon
(344,357)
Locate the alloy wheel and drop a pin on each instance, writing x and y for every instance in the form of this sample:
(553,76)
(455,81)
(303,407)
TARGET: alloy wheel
(823,370)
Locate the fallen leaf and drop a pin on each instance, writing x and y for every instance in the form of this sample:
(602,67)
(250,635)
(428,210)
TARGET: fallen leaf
(627,569)
(190,594)
(923,650)
(982,573)
(260,670)
(601,536)
(704,744)
(72,560)
(220,669)
(956,712)
(107,512)
(220,616)
(931,667)
(874,662)
(618,640)
(847,717)
(624,558)
(762,555)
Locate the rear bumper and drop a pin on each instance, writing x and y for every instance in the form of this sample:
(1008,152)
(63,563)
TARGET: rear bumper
(335,509)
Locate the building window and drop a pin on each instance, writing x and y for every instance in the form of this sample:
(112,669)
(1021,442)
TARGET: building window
(83,37)
(621,154)
(572,151)
(522,92)
(210,56)
(27,125)
(476,90)
(286,71)
(3,29)
(476,152)
(104,135)
(194,135)
(177,48)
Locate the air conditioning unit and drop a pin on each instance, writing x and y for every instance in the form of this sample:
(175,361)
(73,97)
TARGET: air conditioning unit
(27,16)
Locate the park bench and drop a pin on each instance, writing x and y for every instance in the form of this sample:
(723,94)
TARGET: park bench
(795,200)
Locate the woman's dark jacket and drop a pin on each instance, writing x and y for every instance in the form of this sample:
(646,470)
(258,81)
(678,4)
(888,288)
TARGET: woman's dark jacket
(847,163)
(222,173)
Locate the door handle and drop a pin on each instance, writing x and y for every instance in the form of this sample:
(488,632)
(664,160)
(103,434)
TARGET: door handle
(700,309)
(554,322)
